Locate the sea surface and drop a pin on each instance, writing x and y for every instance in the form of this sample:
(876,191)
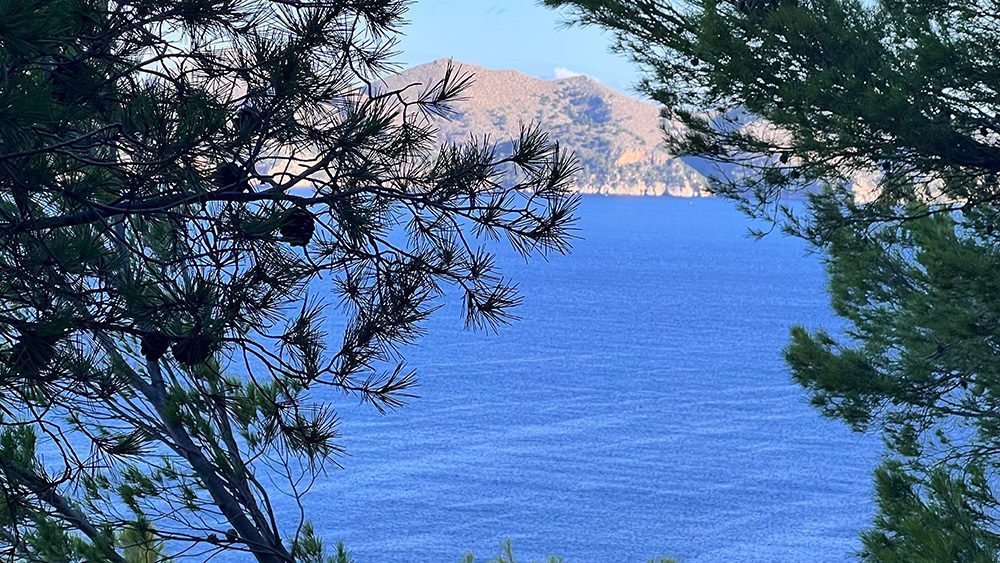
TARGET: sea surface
(638,408)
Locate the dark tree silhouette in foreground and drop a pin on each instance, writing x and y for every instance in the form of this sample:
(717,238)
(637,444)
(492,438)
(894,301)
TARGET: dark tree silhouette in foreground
(175,175)
(885,113)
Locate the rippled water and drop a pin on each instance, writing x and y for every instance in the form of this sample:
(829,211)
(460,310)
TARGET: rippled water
(639,408)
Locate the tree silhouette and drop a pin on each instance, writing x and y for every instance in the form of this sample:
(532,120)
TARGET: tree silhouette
(192,190)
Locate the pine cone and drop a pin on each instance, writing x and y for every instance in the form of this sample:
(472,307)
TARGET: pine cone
(298,227)
(231,176)
(192,350)
(247,122)
(31,353)
(154,345)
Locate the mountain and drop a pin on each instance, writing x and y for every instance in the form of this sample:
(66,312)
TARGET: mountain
(617,138)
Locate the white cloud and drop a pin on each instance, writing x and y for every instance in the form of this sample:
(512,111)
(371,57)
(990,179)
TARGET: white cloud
(563,72)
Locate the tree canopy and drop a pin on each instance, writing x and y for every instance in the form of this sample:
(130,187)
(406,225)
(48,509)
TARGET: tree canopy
(883,115)
(193,195)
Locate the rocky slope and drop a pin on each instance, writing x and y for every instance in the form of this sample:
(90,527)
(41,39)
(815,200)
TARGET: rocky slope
(616,137)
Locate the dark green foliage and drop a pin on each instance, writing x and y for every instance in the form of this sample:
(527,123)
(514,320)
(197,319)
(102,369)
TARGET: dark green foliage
(174,176)
(139,544)
(308,548)
(884,114)
(506,555)
(941,518)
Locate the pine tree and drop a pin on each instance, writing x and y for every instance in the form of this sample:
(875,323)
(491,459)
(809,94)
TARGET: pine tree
(884,116)
(193,191)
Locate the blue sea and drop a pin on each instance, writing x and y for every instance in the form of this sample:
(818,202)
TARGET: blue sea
(638,408)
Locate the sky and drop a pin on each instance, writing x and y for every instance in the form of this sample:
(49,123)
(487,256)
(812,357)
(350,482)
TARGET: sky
(511,34)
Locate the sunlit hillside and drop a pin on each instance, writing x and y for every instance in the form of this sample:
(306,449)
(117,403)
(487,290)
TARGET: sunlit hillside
(617,138)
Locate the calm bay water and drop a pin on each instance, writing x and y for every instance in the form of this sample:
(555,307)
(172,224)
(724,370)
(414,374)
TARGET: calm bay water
(639,408)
